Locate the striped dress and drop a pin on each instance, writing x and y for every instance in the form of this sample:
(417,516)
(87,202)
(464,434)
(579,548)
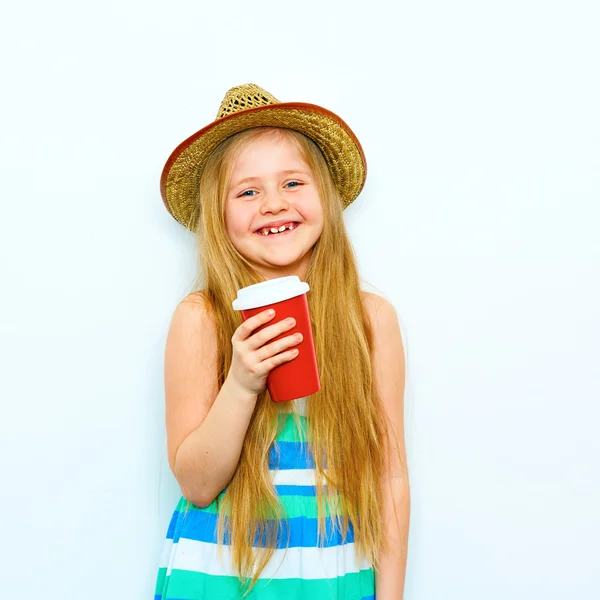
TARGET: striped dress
(191,569)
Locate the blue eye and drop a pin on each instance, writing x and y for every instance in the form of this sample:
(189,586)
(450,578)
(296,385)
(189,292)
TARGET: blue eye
(296,182)
(246,192)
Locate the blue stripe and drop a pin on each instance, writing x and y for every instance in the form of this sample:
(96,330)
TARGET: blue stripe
(202,527)
(290,455)
(296,490)
(368,597)
(172,525)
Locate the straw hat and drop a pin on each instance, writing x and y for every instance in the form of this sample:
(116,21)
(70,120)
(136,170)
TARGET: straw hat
(248,106)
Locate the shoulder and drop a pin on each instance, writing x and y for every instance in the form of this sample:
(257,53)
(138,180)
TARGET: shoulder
(387,336)
(381,312)
(192,324)
(195,307)
(197,300)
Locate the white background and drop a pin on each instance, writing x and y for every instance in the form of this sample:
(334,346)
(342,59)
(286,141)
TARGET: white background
(479,221)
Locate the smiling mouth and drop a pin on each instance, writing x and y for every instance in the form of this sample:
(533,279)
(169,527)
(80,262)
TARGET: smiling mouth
(277,231)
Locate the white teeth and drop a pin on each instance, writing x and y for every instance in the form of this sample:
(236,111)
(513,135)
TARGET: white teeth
(291,227)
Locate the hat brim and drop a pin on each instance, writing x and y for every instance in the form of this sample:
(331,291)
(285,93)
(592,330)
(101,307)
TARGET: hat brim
(180,179)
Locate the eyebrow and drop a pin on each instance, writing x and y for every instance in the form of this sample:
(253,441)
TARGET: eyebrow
(286,172)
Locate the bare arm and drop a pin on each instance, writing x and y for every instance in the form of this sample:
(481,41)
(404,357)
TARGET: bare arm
(207,458)
(206,426)
(389,367)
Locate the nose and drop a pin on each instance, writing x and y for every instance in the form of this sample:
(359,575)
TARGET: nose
(273,202)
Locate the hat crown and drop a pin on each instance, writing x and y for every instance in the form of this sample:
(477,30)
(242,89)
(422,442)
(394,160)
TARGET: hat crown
(243,97)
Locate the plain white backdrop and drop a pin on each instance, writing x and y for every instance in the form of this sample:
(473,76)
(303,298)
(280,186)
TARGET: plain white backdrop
(479,220)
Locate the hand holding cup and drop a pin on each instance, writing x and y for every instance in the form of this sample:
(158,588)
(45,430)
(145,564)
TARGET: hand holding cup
(288,375)
(255,355)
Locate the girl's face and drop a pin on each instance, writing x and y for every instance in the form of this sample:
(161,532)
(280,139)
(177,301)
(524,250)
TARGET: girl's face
(272,187)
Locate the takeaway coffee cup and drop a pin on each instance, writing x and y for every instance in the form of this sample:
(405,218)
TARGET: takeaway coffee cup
(287,296)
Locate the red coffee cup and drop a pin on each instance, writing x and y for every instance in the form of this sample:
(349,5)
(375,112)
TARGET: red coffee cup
(287,296)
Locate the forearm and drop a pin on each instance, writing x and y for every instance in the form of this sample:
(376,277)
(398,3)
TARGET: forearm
(207,458)
(396,516)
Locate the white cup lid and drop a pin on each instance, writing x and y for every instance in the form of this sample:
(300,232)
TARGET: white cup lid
(269,292)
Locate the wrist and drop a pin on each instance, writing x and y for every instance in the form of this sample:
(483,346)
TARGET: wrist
(236,390)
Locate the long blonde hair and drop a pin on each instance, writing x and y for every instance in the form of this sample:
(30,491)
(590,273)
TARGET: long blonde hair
(347,428)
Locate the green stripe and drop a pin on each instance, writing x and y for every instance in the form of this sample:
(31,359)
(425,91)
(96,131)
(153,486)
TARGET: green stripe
(183,504)
(188,585)
(293,428)
(160,580)
(294,506)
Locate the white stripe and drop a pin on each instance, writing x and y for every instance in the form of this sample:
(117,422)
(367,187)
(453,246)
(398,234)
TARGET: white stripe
(300,405)
(168,554)
(294,477)
(308,563)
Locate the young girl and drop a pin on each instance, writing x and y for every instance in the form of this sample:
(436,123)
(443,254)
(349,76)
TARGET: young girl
(290,500)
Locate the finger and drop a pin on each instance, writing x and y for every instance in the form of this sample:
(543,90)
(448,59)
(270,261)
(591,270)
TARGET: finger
(278,346)
(265,367)
(279,359)
(260,338)
(244,331)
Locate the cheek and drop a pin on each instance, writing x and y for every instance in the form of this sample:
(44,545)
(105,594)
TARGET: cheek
(310,208)
(235,222)
(318,219)
(314,214)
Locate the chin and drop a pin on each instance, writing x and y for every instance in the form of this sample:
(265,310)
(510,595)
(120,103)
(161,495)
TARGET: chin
(279,260)
(283,262)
